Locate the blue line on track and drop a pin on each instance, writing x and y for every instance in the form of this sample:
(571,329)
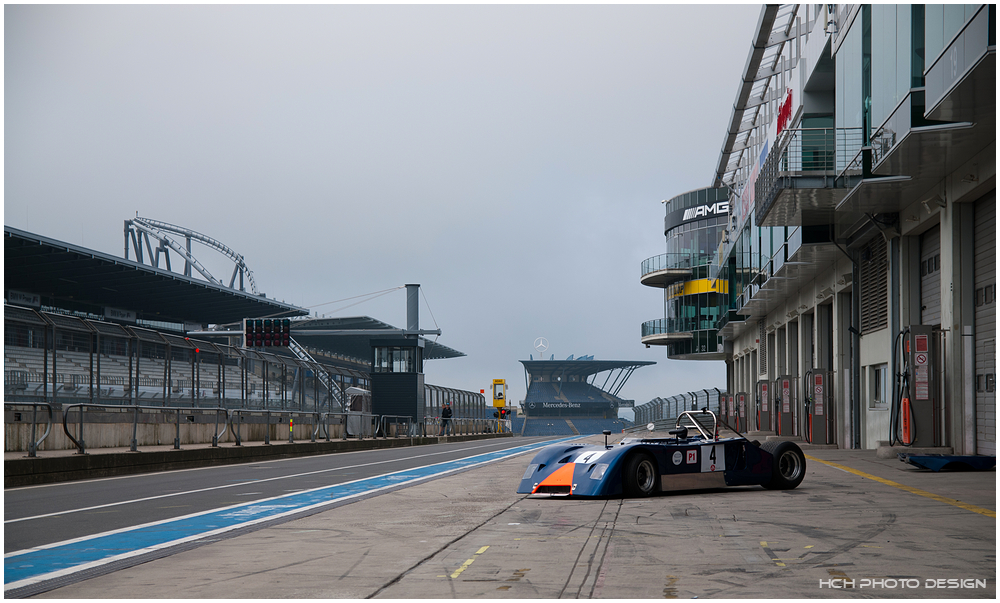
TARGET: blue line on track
(34,565)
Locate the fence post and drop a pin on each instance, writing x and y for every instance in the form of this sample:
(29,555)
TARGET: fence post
(215,434)
(134,445)
(267,427)
(177,432)
(34,418)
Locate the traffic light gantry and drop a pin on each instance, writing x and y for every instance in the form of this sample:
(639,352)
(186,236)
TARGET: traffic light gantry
(266,332)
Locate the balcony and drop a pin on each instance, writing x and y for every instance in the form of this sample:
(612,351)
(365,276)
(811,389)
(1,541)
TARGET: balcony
(666,269)
(798,184)
(730,324)
(909,155)
(664,331)
(961,83)
(807,252)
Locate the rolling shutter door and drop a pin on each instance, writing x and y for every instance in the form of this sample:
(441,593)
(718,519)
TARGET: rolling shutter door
(930,277)
(986,314)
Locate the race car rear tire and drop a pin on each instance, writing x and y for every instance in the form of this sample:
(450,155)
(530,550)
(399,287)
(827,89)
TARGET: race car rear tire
(789,465)
(640,477)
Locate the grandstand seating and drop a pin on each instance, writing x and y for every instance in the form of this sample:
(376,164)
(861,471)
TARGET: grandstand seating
(24,367)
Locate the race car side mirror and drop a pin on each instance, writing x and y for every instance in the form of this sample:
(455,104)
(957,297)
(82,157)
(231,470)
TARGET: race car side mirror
(606,433)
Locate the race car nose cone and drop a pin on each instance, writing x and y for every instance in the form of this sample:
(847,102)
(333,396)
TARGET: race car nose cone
(559,479)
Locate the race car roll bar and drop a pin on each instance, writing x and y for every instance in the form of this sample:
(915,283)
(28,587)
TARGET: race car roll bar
(708,434)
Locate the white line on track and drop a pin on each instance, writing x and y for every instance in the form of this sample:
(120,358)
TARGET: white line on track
(259,481)
(129,554)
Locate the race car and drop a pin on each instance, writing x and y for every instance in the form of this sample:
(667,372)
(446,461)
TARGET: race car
(645,466)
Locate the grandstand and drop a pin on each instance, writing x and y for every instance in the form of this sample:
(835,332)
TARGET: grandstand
(569,397)
(84,326)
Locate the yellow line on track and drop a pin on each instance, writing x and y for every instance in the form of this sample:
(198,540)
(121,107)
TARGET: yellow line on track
(910,489)
(468,562)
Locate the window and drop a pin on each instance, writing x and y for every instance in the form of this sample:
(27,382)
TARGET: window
(395,360)
(879,386)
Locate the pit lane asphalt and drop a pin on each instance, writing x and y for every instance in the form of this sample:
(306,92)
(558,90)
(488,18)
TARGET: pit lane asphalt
(469,535)
(40,515)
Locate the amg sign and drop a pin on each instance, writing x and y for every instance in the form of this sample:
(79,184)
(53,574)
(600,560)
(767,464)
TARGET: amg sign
(720,208)
(699,212)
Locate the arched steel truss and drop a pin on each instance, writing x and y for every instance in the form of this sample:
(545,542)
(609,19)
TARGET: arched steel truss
(141,232)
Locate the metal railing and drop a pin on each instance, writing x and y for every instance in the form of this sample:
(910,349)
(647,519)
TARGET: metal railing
(34,444)
(354,424)
(682,328)
(805,152)
(392,423)
(674,261)
(303,354)
(81,443)
(459,426)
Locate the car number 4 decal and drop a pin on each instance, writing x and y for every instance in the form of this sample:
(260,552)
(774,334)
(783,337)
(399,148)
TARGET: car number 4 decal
(713,458)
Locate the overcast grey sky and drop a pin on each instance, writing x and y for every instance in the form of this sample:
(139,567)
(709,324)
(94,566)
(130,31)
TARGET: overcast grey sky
(510,159)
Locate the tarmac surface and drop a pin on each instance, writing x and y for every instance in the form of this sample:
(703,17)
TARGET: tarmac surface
(857,527)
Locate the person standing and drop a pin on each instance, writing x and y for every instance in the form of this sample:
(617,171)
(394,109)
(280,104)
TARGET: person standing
(446,418)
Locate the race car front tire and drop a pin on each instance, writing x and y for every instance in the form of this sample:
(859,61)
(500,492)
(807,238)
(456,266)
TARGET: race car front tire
(789,465)
(640,477)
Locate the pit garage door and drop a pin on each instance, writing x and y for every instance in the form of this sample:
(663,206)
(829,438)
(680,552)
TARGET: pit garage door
(930,277)
(986,316)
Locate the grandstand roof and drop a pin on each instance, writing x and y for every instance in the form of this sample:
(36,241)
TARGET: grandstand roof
(352,341)
(84,278)
(579,367)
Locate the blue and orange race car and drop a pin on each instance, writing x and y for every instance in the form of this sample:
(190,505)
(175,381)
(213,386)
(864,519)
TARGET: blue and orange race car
(646,466)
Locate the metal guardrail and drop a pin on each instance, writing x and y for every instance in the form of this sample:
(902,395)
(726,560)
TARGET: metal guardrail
(81,443)
(461,426)
(355,424)
(34,444)
(365,427)
(395,421)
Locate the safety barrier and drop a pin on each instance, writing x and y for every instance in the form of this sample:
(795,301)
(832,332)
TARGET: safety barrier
(81,443)
(34,444)
(352,424)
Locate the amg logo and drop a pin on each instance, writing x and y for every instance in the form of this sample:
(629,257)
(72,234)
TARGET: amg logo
(722,207)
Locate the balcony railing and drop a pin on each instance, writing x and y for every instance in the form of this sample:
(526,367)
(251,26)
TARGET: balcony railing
(674,261)
(821,153)
(679,327)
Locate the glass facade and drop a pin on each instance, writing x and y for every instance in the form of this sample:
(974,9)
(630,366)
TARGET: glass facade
(694,226)
(698,239)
